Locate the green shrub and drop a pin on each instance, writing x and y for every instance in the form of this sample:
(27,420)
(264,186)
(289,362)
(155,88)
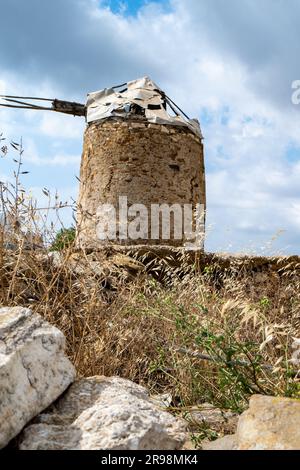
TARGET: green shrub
(64,239)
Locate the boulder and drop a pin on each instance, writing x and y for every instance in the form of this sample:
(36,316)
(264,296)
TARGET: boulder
(34,369)
(270,423)
(104,413)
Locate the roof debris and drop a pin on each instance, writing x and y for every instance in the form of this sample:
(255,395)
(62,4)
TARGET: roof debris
(140,96)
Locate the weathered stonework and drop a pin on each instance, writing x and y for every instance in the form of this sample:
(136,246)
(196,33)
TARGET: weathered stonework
(148,163)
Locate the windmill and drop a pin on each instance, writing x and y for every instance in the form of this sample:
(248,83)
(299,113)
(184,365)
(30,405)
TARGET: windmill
(139,145)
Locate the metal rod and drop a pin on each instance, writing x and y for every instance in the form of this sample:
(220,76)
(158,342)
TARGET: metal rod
(119,86)
(172,107)
(26,107)
(22,102)
(26,98)
(179,109)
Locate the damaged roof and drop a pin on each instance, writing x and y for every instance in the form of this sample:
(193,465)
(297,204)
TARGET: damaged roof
(142,97)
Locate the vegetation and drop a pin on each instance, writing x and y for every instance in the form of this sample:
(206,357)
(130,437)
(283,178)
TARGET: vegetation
(202,331)
(65,238)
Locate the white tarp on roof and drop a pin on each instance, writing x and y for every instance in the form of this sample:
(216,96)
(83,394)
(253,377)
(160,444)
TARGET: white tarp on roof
(142,92)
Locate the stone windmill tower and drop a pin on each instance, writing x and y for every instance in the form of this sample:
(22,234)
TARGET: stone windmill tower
(142,166)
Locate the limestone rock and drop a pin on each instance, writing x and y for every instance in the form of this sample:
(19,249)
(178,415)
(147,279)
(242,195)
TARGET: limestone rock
(104,413)
(124,261)
(206,416)
(216,419)
(224,443)
(270,423)
(34,370)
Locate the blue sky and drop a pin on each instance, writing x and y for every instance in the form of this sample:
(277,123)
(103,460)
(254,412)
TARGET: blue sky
(229,63)
(132,7)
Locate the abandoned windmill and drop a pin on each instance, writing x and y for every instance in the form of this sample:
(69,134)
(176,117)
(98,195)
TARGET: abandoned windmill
(141,155)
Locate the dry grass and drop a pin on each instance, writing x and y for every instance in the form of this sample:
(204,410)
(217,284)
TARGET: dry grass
(122,321)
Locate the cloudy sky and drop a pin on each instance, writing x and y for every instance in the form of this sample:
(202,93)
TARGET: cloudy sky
(231,63)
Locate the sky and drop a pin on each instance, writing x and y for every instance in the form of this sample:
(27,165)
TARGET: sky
(230,63)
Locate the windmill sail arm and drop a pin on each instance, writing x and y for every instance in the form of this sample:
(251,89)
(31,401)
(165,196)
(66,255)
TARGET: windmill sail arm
(59,106)
(5,105)
(26,98)
(29,105)
(68,107)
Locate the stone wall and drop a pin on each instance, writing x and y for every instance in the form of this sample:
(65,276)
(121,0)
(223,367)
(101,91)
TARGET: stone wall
(147,163)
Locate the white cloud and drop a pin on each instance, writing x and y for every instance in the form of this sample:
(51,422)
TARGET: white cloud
(33,156)
(61,126)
